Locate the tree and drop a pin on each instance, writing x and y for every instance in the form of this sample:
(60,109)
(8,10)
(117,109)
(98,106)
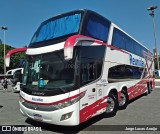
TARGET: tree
(14,59)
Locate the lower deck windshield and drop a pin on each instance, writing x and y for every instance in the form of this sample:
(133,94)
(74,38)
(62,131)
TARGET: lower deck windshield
(51,68)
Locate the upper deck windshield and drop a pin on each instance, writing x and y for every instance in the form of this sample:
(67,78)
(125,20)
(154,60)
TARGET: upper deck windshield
(52,68)
(57,27)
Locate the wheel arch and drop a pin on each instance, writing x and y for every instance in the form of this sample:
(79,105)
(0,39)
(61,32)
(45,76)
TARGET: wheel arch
(114,91)
(123,88)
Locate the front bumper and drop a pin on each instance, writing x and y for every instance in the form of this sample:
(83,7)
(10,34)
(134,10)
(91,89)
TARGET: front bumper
(54,117)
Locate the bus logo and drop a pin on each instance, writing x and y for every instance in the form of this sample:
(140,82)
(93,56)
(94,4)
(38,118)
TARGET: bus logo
(137,62)
(37,99)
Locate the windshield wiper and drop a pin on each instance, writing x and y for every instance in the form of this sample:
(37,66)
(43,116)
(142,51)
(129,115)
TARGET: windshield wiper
(56,88)
(63,90)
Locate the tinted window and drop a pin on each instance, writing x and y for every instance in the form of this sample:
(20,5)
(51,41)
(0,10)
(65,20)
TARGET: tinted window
(123,41)
(57,27)
(52,68)
(92,52)
(118,39)
(129,44)
(138,50)
(99,68)
(124,73)
(97,28)
(91,63)
(17,76)
(87,71)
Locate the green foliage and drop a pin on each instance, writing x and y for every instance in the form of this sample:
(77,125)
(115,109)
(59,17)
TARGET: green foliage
(157,77)
(155,63)
(14,59)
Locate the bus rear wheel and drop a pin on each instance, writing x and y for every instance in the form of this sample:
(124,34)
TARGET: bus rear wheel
(149,87)
(112,105)
(124,100)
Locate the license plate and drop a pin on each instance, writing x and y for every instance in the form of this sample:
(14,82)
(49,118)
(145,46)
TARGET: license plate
(37,117)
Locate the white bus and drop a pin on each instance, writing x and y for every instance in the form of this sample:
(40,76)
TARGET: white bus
(79,65)
(16,78)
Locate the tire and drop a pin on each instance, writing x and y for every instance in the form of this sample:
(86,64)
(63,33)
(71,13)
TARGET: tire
(112,105)
(149,88)
(124,100)
(146,93)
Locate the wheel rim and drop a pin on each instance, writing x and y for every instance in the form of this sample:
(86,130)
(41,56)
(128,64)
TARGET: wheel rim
(122,100)
(110,105)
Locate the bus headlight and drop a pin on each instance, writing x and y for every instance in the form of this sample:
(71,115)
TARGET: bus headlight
(68,102)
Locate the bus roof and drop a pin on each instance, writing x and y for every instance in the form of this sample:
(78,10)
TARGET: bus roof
(85,12)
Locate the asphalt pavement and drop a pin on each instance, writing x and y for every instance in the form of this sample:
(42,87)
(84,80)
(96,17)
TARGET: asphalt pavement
(144,110)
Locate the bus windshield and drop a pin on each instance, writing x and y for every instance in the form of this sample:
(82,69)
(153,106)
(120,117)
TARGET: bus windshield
(52,68)
(54,28)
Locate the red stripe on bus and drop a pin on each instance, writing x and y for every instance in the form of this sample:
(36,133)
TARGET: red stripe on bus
(70,42)
(88,112)
(137,89)
(115,48)
(119,96)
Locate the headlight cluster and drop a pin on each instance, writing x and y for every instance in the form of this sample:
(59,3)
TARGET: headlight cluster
(69,102)
(54,106)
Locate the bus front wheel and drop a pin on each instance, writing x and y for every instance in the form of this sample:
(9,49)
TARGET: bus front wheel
(112,105)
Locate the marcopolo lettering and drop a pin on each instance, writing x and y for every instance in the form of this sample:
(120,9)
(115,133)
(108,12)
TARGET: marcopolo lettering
(37,99)
(137,62)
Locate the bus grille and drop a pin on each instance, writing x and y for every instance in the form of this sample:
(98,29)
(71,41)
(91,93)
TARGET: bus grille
(39,107)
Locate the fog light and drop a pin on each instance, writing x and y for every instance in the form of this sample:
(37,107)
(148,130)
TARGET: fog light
(66,116)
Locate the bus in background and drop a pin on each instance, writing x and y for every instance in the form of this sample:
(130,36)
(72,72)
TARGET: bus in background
(157,73)
(79,65)
(15,77)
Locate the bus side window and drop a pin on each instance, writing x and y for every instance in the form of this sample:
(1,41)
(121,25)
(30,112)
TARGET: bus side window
(91,71)
(97,27)
(84,73)
(87,72)
(91,63)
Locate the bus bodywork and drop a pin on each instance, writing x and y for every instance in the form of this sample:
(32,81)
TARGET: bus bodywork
(16,78)
(76,68)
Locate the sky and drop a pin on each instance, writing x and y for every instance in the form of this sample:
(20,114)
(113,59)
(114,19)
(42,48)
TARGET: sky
(22,17)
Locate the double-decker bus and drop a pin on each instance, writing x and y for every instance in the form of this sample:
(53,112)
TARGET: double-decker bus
(79,65)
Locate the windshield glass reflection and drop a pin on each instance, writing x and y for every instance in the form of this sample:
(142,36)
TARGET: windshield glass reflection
(51,68)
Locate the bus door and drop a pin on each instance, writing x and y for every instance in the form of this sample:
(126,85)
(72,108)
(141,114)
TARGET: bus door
(90,71)
(87,79)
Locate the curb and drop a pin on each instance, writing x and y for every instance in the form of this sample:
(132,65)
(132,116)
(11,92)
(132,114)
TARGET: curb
(157,80)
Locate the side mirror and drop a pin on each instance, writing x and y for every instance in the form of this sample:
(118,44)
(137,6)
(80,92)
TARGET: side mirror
(68,53)
(11,52)
(22,71)
(7,61)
